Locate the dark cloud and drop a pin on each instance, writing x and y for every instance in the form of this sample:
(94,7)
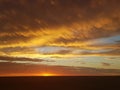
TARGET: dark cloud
(112,58)
(98,71)
(10,50)
(27,15)
(63,51)
(113,52)
(106,64)
(10,59)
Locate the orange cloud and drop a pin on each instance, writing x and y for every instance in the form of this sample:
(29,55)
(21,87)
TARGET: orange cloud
(79,26)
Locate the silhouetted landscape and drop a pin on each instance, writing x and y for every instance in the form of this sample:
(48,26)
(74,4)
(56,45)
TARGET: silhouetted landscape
(60,83)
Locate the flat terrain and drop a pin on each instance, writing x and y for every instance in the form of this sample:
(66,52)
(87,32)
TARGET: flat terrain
(60,83)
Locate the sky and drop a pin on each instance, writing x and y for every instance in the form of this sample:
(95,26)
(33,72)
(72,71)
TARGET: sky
(60,37)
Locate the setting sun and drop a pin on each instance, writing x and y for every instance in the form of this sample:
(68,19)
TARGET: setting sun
(47,74)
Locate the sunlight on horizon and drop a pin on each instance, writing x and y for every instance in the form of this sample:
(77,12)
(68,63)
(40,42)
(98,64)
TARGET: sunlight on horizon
(48,74)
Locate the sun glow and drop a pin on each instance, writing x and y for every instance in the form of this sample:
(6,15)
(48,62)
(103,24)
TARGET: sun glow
(48,74)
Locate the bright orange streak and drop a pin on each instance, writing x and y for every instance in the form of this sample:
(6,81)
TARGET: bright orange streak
(48,74)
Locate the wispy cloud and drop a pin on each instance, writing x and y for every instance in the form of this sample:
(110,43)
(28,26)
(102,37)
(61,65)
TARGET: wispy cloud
(19,59)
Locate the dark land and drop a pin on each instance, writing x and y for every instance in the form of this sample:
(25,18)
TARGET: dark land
(61,83)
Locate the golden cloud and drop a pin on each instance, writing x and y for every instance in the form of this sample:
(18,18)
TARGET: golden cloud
(59,23)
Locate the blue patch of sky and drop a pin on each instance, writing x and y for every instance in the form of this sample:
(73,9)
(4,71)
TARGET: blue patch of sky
(106,41)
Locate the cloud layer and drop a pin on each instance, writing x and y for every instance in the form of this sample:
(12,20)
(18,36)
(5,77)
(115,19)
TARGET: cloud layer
(70,23)
(59,28)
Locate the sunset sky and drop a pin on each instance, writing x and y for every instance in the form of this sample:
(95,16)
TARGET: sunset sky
(59,37)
